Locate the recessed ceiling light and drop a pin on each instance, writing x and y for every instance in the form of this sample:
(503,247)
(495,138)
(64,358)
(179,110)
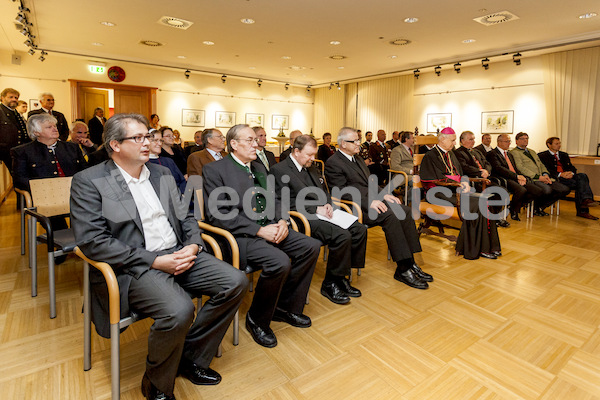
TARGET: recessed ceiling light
(392,57)
(468,41)
(247,20)
(181,57)
(208,43)
(286,57)
(400,42)
(588,15)
(251,67)
(98,44)
(151,43)
(296,67)
(411,20)
(337,57)
(335,42)
(106,23)
(340,67)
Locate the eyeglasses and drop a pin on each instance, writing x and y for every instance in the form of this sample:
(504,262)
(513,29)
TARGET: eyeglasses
(221,137)
(139,138)
(154,140)
(249,140)
(357,141)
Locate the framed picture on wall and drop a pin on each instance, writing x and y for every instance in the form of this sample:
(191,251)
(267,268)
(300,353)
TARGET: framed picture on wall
(34,104)
(255,119)
(224,119)
(438,121)
(497,121)
(192,117)
(280,122)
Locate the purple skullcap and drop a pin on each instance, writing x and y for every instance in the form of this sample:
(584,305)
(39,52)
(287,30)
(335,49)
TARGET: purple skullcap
(448,131)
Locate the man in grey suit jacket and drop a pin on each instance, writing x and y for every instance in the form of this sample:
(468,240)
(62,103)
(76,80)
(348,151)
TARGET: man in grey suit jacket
(126,213)
(402,156)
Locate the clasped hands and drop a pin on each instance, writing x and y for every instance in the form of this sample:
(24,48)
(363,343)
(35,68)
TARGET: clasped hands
(178,262)
(274,233)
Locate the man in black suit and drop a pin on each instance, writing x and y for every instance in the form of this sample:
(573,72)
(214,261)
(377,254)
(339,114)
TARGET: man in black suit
(266,157)
(364,147)
(484,147)
(347,247)
(560,168)
(504,167)
(198,145)
(96,125)
(80,136)
(345,170)
(378,153)
(286,153)
(127,212)
(13,131)
(238,199)
(47,102)
(394,141)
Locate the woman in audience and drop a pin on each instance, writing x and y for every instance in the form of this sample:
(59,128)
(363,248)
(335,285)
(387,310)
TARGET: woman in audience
(172,151)
(154,122)
(326,150)
(177,137)
(155,158)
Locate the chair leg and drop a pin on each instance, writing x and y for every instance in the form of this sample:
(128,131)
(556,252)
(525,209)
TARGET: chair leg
(115,362)
(389,256)
(52,283)
(22,205)
(358,271)
(32,222)
(558,208)
(87,319)
(251,277)
(219,351)
(236,328)
(325,251)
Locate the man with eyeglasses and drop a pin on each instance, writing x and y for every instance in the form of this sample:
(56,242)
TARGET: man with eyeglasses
(345,169)
(125,212)
(214,149)
(238,199)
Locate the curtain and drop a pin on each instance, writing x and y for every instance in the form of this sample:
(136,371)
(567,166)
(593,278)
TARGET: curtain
(572,91)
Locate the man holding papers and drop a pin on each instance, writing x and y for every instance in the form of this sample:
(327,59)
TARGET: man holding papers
(345,236)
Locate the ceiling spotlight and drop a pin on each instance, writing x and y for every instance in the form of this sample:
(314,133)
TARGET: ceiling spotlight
(411,20)
(287,86)
(31,52)
(416,73)
(485,63)
(517,58)
(21,8)
(43,56)
(21,18)
(24,31)
(338,86)
(438,70)
(308,89)
(588,15)
(28,43)
(457,67)
(259,83)
(187,74)
(223,78)
(330,86)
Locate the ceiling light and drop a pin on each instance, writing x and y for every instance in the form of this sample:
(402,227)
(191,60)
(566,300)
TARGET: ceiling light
(31,52)
(392,57)
(416,73)
(24,31)
(247,21)
(251,67)
(588,15)
(21,18)
(286,57)
(337,57)
(187,74)
(182,57)
(517,58)
(485,63)
(43,56)
(338,86)
(106,23)
(223,78)
(287,86)
(28,43)
(151,43)
(340,67)
(308,89)
(335,42)
(438,70)
(330,86)
(208,43)
(411,20)
(457,67)
(296,67)
(467,41)
(259,83)
(400,42)
(97,44)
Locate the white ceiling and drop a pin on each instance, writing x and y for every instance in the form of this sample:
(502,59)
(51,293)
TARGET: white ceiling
(301,30)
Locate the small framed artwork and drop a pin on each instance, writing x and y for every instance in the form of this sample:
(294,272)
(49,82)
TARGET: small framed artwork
(224,119)
(192,117)
(497,121)
(438,121)
(34,104)
(255,119)
(279,122)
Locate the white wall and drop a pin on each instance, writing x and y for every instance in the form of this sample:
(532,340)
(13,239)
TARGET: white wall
(518,88)
(174,91)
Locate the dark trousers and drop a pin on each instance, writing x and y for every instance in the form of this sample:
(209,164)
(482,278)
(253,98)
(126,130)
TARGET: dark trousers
(166,299)
(550,193)
(282,283)
(522,194)
(581,184)
(381,171)
(400,233)
(347,247)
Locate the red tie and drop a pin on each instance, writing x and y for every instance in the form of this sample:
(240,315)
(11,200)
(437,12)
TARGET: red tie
(510,166)
(411,152)
(559,166)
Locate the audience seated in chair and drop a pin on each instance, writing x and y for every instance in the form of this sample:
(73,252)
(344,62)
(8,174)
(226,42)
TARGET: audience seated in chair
(266,157)
(402,155)
(285,154)
(378,153)
(213,142)
(171,150)
(484,147)
(326,150)
(80,136)
(155,149)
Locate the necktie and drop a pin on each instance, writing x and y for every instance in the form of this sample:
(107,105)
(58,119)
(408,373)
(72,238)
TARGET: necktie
(263,158)
(559,166)
(52,149)
(510,166)
(85,156)
(411,152)
(218,156)
(475,158)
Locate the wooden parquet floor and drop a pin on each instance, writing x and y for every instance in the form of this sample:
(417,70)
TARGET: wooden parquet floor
(525,326)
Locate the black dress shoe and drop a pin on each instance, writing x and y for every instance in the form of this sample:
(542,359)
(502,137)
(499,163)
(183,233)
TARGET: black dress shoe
(350,290)
(197,375)
(424,276)
(514,215)
(298,320)
(409,278)
(538,212)
(334,292)
(503,223)
(263,336)
(491,256)
(151,392)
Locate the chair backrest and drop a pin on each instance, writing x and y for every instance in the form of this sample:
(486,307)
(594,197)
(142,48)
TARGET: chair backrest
(200,198)
(417,159)
(51,195)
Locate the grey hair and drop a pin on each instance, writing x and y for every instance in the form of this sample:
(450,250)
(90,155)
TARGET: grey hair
(233,133)
(463,135)
(207,134)
(35,122)
(46,94)
(116,128)
(344,134)
(98,108)
(79,123)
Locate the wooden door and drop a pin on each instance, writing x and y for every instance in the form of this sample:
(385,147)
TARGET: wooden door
(132,101)
(92,98)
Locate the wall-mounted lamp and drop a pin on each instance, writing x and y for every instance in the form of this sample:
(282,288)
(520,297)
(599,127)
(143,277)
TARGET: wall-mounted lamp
(416,73)
(259,82)
(485,63)
(287,86)
(187,74)
(308,89)
(457,67)
(223,78)
(517,58)
(438,70)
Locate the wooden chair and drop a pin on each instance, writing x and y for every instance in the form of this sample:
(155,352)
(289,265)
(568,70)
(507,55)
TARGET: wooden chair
(24,199)
(50,198)
(424,140)
(391,174)
(351,208)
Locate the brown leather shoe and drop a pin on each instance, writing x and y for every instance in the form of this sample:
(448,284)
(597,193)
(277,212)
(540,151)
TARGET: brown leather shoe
(589,203)
(587,215)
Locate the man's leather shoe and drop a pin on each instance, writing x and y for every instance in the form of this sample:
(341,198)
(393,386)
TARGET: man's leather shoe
(151,392)
(589,203)
(262,336)
(349,289)
(497,253)
(424,276)
(587,215)
(503,223)
(197,375)
(334,292)
(491,256)
(514,215)
(538,212)
(298,320)
(409,278)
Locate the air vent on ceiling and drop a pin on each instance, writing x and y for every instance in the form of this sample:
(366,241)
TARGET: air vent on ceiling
(175,22)
(400,42)
(496,18)
(151,43)
(337,57)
